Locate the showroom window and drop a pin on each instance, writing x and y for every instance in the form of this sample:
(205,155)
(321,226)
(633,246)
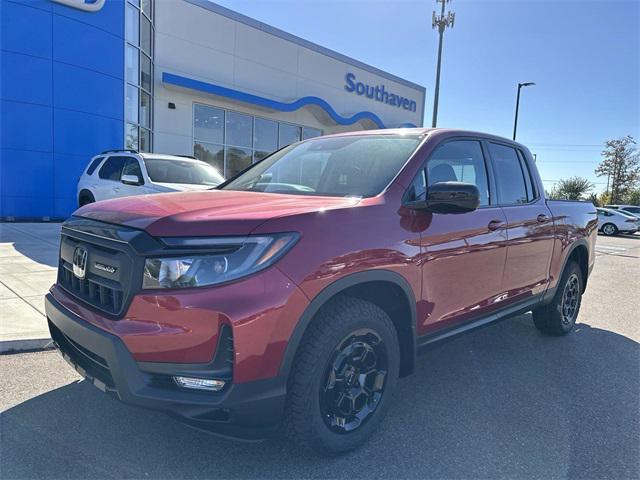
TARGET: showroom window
(231,141)
(139,75)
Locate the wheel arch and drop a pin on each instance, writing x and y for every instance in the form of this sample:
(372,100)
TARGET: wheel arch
(386,289)
(85,193)
(579,252)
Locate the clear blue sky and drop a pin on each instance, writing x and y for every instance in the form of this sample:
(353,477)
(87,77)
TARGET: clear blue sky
(583,55)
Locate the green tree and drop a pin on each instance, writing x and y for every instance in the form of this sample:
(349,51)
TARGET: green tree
(633,197)
(574,188)
(621,165)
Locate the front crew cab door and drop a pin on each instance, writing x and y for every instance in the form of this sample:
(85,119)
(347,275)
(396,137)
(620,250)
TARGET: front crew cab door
(462,255)
(530,226)
(110,184)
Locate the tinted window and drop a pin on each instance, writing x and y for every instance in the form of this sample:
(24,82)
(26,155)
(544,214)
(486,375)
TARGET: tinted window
(208,124)
(509,175)
(175,171)
(132,167)
(94,165)
(528,181)
(239,129)
(360,166)
(418,188)
(460,161)
(112,168)
(633,209)
(288,134)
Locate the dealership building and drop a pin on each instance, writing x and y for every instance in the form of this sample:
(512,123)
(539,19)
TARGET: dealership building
(189,77)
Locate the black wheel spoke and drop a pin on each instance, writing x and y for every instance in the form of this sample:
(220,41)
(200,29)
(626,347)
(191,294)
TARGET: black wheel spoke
(354,382)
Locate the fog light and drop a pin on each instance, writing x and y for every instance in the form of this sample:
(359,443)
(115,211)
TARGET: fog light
(199,383)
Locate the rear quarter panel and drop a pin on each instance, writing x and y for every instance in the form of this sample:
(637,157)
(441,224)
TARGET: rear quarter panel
(574,221)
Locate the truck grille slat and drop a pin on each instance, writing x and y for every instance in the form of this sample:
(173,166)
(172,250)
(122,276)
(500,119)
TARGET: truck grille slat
(101,292)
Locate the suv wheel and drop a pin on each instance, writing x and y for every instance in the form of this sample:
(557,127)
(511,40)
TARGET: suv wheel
(609,229)
(559,316)
(343,377)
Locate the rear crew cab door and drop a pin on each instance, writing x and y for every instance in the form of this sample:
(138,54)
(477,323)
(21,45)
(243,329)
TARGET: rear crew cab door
(463,255)
(530,228)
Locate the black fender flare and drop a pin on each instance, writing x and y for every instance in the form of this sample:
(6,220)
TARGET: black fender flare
(550,293)
(334,289)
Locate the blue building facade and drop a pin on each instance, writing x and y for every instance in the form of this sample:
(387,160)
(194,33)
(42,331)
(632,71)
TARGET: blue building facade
(78,77)
(62,92)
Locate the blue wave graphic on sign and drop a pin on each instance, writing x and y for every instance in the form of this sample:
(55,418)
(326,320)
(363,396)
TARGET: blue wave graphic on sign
(192,84)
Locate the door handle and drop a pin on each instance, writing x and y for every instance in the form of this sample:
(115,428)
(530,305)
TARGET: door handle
(542,218)
(495,225)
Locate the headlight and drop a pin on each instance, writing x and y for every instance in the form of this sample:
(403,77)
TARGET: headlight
(230,258)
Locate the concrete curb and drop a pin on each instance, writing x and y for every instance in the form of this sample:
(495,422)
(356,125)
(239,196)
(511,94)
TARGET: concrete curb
(31,345)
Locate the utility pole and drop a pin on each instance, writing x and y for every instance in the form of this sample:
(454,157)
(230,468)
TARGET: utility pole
(441,21)
(515,122)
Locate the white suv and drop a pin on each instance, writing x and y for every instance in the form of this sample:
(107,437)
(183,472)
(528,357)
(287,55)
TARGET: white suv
(121,173)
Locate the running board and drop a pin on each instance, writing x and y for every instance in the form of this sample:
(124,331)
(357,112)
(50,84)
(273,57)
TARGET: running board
(449,333)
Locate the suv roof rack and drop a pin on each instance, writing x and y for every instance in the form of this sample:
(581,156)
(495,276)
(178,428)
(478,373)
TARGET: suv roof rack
(187,156)
(130,150)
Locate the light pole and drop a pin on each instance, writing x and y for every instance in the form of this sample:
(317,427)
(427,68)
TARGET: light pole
(515,122)
(441,21)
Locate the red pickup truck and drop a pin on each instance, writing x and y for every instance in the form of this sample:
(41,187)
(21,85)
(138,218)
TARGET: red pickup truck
(296,294)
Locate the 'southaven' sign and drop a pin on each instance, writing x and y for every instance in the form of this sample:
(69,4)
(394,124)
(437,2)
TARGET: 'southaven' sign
(378,93)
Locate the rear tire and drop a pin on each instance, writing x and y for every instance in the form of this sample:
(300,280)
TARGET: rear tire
(343,377)
(559,316)
(609,229)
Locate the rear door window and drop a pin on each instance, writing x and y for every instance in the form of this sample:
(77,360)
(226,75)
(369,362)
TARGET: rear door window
(112,168)
(94,165)
(510,178)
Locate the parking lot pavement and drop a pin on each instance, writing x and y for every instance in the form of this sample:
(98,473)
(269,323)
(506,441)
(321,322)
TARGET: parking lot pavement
(501,402)
(28,261)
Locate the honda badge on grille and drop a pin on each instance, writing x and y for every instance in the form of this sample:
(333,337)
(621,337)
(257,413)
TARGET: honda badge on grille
(79,262)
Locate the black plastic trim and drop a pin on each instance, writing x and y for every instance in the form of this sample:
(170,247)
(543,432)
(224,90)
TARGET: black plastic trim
(334,289)
(249,411)
(510,311)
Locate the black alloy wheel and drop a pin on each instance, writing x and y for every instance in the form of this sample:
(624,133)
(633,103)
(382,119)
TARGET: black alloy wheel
(354,381)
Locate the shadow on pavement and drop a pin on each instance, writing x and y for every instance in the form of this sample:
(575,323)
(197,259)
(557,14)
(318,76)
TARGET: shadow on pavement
(503,402)
(37,241)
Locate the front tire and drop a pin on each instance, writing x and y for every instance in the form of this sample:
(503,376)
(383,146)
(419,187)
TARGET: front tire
(559,316)
(609,229)
(343,377)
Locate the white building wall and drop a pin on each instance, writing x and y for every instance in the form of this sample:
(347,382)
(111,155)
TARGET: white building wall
(199,44)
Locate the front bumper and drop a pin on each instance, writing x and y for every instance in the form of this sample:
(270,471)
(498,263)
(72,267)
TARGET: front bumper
(250,410)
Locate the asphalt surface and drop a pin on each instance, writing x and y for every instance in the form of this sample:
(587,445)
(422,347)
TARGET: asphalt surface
(501,402)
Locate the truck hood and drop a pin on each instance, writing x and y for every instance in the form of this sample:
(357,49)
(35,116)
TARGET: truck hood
(180,187)
(213,212)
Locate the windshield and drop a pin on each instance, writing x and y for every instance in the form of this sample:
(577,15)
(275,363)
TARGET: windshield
(176,171)
(360,166)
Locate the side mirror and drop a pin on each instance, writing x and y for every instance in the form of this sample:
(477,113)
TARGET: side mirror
(131,180)
(449,197)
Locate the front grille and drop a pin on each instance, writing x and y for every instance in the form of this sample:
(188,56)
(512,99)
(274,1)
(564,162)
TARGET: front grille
(94,366)
(109,266)
(105,294)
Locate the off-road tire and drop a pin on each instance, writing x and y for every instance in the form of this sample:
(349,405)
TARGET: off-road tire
(551,319)
(303,421)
